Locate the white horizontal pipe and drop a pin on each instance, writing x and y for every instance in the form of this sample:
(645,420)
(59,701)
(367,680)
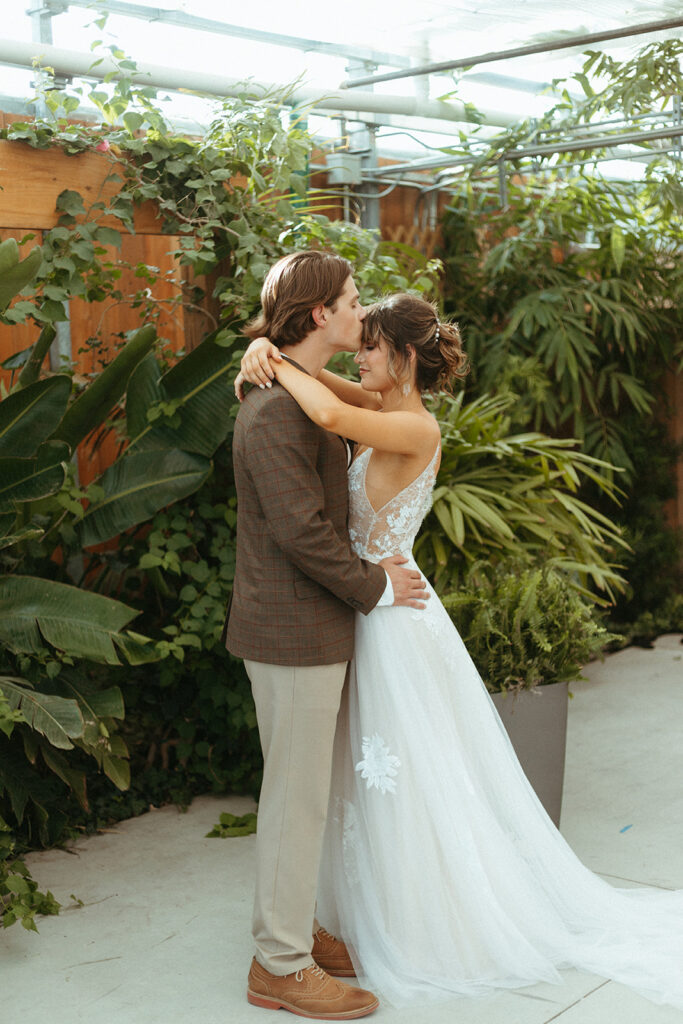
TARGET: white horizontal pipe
(75,63)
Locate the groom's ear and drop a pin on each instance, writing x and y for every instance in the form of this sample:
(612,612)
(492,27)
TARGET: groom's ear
(319,314)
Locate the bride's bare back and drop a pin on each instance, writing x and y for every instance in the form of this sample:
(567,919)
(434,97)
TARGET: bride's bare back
(389,472)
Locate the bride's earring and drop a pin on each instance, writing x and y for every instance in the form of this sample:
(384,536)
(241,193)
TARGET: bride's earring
(406,388)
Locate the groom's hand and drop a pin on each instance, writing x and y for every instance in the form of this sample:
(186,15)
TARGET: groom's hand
(409,586)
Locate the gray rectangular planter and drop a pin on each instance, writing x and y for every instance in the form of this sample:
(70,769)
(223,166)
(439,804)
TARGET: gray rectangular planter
(536,722)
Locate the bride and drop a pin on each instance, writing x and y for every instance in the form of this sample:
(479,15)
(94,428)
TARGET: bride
(441,869)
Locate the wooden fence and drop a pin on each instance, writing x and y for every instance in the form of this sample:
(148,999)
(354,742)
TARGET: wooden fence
(31,181)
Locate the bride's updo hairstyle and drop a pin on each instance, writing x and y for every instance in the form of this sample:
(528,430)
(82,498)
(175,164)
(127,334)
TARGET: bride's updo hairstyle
(403,320)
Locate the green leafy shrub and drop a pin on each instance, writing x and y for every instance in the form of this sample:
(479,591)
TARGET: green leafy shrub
(569,292)
(523,625)
(500,492)
(230,825)
(47,706)
(176,417)
(20,898)
(580,336)
(653,565)
(666,618)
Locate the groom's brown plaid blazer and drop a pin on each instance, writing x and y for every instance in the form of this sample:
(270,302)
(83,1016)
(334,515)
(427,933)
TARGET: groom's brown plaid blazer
(297,582)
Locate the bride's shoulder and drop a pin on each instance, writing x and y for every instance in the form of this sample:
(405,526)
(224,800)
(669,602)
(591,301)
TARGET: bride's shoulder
(431,427)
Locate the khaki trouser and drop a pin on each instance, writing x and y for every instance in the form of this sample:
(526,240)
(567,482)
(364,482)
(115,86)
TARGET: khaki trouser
(296,709)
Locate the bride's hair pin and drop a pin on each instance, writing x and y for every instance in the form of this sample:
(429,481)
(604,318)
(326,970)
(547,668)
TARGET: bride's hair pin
(437,335)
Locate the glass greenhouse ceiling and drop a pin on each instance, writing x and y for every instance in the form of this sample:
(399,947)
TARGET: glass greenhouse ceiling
(325,46)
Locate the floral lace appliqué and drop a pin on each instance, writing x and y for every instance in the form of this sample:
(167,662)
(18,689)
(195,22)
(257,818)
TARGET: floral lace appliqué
(378,766)
(392,529)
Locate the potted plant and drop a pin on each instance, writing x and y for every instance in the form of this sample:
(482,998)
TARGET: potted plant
(529,631)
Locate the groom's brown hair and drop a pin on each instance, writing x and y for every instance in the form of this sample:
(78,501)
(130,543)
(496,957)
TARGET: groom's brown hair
(293,287)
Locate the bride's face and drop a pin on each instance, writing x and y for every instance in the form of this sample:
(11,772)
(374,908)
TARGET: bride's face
(373,366)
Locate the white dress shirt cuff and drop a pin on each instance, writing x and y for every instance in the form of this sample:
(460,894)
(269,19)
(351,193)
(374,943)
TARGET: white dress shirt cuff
(388,595)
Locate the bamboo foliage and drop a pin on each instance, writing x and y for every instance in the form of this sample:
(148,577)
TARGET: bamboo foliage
(570,291)
(579,332)
(500,492)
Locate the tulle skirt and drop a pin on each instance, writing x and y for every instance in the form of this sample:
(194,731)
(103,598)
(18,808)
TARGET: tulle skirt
(440,867)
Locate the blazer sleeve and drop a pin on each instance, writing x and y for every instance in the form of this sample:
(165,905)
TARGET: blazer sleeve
(282,450)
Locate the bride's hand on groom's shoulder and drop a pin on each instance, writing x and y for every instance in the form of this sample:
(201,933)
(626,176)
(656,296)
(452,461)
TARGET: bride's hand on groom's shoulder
(255,367)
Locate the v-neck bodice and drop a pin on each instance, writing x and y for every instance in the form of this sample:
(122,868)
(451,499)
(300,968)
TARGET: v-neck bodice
(390,530)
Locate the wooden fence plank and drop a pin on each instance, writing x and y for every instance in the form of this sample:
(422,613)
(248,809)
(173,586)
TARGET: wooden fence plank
(32,179)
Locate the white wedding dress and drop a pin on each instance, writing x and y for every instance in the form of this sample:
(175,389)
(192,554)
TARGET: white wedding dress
(440,868)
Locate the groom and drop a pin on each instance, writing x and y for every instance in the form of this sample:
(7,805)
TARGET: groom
(297,587)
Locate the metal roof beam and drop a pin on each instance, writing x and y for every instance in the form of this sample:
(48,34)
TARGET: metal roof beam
(576,145)
(75,63)
(521,51)
(572,146)
(191,21)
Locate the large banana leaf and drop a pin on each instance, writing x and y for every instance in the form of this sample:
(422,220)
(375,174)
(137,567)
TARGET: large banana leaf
(58,719)
(110,751)
(145,391)
(100,704)
(30,415)
(35,612)
(135,648)
(28,533)
(73,778)
(16,274)
(7,521)
(197,386)
(30,479)
(95,706)
(95,403)
(200,382)
(137,486)
(38,351)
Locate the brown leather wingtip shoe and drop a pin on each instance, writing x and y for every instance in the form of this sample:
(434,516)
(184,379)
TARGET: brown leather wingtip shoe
(332,955)
(310,992)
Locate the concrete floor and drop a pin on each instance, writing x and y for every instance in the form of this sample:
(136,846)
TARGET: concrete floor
(163,936)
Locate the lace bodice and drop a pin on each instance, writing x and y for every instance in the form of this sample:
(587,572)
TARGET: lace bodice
(393,528)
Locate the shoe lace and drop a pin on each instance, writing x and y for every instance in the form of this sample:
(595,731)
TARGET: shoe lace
(323,933)
(316,971)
